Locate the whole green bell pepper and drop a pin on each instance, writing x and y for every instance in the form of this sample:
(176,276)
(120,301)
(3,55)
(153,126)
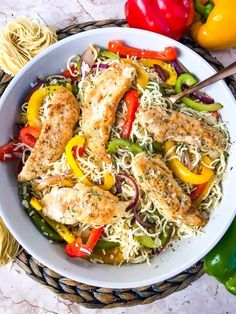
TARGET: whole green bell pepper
(221,261)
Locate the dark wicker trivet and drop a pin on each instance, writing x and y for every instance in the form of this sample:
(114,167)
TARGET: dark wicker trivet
(95,297)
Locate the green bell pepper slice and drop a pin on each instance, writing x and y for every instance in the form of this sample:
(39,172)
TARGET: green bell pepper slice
(116,143)
(105,245)
(109,55)
(189,80)
(221,261)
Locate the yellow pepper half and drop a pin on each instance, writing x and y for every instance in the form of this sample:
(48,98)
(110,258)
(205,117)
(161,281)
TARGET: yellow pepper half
(62,230)
(142,79)
(79,141)
(219,30)
(183,172)
(35,103)
(165,66)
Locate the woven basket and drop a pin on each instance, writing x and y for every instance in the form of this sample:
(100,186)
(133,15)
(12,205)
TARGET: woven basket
(96,297)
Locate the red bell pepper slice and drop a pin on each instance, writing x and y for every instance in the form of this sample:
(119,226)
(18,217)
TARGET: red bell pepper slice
(67,73)
(80,152)
(29,135)
(169,53)
(131,99)
(77,249)
(10,151)
(198,191)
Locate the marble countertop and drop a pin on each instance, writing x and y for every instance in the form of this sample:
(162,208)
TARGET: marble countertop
(18,293)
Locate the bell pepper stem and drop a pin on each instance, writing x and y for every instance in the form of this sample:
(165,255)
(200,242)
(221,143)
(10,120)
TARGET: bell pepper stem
(204,9)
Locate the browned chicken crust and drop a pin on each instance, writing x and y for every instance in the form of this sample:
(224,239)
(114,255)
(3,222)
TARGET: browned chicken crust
(99,108)
(57,130)
(82,203)
(157,180)
(180,127)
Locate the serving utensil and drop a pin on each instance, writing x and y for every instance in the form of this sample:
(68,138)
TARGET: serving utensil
(228,71)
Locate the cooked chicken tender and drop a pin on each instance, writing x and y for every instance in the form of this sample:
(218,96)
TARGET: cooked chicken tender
(156,179)
(99,108)
(82,203)
(57,130)
(181,128)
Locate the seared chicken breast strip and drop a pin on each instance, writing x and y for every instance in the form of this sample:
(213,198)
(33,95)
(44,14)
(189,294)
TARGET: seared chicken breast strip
(180,127)
(82,203)
(156,179)
(100,104)
(57,130)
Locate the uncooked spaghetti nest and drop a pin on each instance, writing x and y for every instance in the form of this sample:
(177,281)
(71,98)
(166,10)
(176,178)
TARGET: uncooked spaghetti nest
(9,247)
(21,40)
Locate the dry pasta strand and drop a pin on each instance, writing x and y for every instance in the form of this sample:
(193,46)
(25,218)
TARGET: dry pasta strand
(21,40)
(9,247)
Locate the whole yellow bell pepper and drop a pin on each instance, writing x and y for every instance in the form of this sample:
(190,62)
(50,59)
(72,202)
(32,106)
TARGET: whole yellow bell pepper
(142,79)
(183,172)
(217,29)
(165,66)
(79,141)
(35,103)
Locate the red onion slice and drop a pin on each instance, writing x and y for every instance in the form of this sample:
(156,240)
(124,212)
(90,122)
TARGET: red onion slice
(88,59)
(129,179)
(178,66)
(164,75)
(140,220)
(39,83)
(202,97)
(101,66)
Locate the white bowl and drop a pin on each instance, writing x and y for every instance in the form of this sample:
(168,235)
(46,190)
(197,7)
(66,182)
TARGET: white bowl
(174,260)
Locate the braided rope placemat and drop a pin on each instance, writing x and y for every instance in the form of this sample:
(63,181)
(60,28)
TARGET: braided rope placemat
(96,297)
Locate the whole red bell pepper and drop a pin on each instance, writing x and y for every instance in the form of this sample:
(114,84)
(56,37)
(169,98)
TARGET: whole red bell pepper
(167,17)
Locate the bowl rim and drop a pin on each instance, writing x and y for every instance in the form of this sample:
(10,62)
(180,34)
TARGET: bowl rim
(64,272)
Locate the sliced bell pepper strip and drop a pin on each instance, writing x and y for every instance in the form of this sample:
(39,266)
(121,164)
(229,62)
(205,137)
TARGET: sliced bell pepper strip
(169,53)
(62,230)
(142,79)
(9,151)
(131,99)
(109,55)
(74,70)
(105,245)
(189,80)
(165,66)
(205,192)
(40,223)
(116,143)
(29,135)
(77,249)
(197,191)
(79,141)
(35,103)
(183,172)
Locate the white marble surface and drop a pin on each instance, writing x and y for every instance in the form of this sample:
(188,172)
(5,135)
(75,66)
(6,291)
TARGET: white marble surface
(21,295)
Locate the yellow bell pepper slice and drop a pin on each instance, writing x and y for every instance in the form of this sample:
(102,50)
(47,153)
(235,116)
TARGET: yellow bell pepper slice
(79,141)
(36,204)
(165,66)
(142,79)
(62,230)
(64,182)
(183,172)
(35,103)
